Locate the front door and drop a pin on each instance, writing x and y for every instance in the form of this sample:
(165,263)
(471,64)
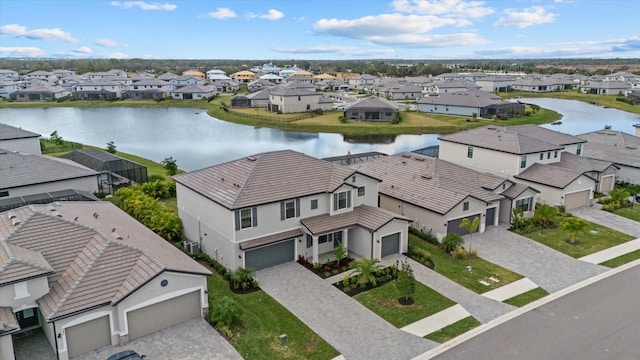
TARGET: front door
(490,217)
(28,318)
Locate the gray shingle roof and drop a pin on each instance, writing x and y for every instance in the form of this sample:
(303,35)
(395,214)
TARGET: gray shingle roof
(614,146)
(8,132)
(547,174)
(264,178)
(502,139)
(20,169)
(428,182)
(96,259)
(368,217)
(475,98)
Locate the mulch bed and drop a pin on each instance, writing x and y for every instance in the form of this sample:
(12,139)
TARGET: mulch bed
(332,268)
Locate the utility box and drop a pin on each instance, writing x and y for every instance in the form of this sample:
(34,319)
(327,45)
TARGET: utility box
(283,339)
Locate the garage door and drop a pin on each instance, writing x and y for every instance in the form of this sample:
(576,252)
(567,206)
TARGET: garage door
(270,255)
(577,199)
(390,244)
(163,314)
(453,226)
(88,336)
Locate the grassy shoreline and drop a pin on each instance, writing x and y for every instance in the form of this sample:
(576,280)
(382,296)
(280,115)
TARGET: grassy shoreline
(413,122)
(602,100)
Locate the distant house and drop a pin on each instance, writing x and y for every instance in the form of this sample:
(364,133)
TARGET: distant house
(98,89)
(7,87)
(167,76)
(495,83)
(364,82)
(16,139)
(612,88)
(244,213)
(450,86)
(404,92)
(374,109)
(240,101)
(41,75)
(216,73)
(194,73)
(292,100)
(184,80)
(40,93)
(617,147)
(259,84)
(634,96)
(244,76)
(193,92)
(469,103)
(534,85)
(149,89)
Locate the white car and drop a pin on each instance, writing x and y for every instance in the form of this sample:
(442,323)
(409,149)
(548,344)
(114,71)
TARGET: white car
(340,106)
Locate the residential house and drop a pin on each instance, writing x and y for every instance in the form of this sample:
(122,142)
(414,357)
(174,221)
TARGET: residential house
(46,76)
(9,74)
(272,78)
(450,86)
(534,85)
(62,73)
(40,93)
(7,87)
(167,76)
(525,154)
(604,172)
(259,84)
(29,174)
(216,73)
(612,88)
(99,89)
(438,194)
(16,139)
(303,73)
(149,89)
(184,80)
(364,82)
(617,147)
(244,76)
(469,103)
(374,109)
(194,92)
(89,275)
(292,100)
(404,92)
(633,96)
(245,213)
(194,73)
(68,82)
(495,83)
(299,79)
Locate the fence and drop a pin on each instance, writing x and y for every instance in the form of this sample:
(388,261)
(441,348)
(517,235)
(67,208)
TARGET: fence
(271,118)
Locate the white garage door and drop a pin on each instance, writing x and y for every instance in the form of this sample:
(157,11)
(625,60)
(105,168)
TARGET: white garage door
(88,336)
(163,314)
(576,199)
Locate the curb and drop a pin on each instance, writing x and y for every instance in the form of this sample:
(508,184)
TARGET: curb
(531,306)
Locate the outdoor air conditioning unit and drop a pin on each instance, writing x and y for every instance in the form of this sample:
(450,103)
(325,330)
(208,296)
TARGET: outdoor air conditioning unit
(194,248)
(187,246)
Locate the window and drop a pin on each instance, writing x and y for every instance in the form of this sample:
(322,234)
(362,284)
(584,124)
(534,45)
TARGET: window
(289,209)
(21,289)
(246,218)
(342,200)
(309,241)
(361,191)
(555,154)
(523,161)
(541,156)
(579,149)
(314,204)
(548,155)
(4,193)
(465,206)
(524,204)
(470,152)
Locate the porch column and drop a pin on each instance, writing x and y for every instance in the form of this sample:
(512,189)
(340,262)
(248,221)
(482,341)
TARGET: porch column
(345,240)
(315,249)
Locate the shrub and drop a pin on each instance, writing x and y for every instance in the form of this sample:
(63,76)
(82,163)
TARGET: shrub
(459,253)
(225,312)
(451,242)
(424,236)
(406,283)
(154,178)
(243,279)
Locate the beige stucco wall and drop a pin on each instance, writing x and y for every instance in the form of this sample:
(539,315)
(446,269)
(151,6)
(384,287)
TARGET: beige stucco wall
(89,184)
(26,145)
(37,288)
(554,196)
(476,208)
(628,174)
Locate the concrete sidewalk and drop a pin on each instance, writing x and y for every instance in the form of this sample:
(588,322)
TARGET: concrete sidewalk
(612,252)
(510,290)
(437,321)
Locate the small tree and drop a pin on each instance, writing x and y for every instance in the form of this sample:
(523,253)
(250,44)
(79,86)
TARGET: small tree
(170,165)
(365,269)
(451,242)
(471,227)
(57,139)
(111,147)
(340,252)
(242,278)
(225,311)
(406,282)
(574,226)
(544,216)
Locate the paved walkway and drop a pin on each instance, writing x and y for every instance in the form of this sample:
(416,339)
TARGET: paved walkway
(550,269)
(480,307)
(612,252)
(610,220)
(344,323)
(437,321)
(508,291)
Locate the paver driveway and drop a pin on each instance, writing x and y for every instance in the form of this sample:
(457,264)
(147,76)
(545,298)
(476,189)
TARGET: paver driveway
(349,327)
(550,269)
(610,220)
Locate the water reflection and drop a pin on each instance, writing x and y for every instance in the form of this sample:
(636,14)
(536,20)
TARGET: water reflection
(369,138)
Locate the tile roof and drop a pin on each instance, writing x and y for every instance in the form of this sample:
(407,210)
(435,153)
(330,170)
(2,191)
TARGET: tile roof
(8,322)
(581,164)
(18,263)
(96,259)
(373,102)
(515,190)
(547,135)
(475,98)
(265,178)
(369,217)
(8,132)
(614,146)
(270,239)
(502,139)
(547,174)
(428,182)
(21,169)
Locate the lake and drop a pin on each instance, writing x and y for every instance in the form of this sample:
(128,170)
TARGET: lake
(197,140)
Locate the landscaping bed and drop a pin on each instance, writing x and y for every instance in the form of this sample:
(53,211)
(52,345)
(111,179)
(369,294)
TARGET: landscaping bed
(327,269)
(352,286)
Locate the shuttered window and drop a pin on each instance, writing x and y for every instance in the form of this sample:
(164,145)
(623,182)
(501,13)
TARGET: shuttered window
(246,218)
(342,200)
(289,209)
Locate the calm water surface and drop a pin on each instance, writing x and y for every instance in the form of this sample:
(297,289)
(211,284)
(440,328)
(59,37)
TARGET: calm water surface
(197,140)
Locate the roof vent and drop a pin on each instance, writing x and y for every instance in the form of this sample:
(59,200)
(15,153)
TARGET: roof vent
(492,128)
(631,147)
(95,215)
(419,159)
(427,177)
(611,133)
(251,158)
(405,155)
(116,236)
(51,208)
(601,132)
(15,222)
(11,215)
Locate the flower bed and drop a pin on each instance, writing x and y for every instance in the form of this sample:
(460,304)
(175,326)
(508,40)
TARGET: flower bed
(350,284)
(328,268)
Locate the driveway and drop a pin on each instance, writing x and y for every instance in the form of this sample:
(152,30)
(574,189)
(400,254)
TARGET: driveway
(550,269)
(349,327)
(191,340)
(610,220)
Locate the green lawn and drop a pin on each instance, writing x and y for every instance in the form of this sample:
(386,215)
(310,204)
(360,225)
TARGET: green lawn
(596,238)
(383,301)
(623,259)
(632,213)
(528,297)
(604,100)
(264,320)
(456,271)
(457,328)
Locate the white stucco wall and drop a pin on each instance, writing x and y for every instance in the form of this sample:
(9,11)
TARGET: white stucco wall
(63,324)
(360,241)
(391,228)
(6,348)
(484,160)
(36,288)
(26,145)
(89,184)
(628,174)
(449,109)
(554,196)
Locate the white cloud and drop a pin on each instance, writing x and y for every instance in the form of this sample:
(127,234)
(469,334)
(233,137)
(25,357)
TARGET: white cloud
(331,49)
(144,5)
(83,50)
(381,25)
(21,51)
(117,56)
(472,9)
(222,13)
(106,43)
(534,15)
(16,30)
(272,14)
(599,49)
(426,40)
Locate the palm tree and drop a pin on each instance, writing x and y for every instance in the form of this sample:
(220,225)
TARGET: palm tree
(365,269)
(544,215)
(574,226)
(471,226)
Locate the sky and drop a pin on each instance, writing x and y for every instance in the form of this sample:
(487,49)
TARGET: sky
(320,30)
